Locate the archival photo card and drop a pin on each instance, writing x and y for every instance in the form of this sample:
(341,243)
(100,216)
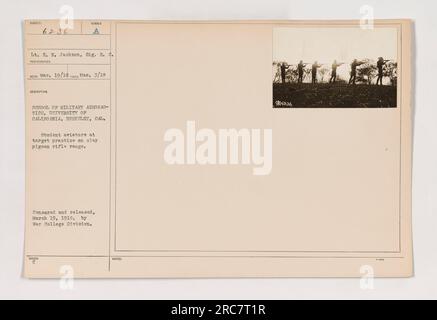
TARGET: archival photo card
(153,150)
(337,67)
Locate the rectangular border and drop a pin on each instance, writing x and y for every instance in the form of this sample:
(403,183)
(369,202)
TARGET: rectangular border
(399,107)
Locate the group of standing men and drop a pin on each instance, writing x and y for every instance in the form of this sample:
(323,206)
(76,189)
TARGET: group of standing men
(353,74)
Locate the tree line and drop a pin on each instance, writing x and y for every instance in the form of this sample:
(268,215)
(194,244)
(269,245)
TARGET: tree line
(361,71)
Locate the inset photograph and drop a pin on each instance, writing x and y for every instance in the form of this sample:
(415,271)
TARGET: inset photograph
(335,67)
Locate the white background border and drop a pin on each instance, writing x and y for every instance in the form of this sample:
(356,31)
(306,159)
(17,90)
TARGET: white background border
(422,286)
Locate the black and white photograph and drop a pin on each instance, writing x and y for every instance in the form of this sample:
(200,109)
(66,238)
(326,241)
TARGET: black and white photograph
(335,67)
(218,159)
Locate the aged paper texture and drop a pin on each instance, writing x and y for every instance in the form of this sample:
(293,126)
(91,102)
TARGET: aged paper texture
(218,149)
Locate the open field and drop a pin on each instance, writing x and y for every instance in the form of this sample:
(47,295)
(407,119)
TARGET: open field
(340,95)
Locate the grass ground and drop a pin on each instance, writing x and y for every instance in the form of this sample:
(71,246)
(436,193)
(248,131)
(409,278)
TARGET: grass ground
(333,95)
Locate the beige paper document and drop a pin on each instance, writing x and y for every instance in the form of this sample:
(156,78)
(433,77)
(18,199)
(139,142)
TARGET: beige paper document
(218,149)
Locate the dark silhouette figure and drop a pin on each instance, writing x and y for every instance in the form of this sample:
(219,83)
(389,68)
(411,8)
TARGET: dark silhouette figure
(380,64)
(300,68)
(284,68)
(314,71)
(335,65)
(354,66)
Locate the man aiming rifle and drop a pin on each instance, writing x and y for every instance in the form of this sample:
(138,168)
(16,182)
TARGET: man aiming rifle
(354,66)
(284,68)
(335,65)
(380,64)
(300,68)
(314,68)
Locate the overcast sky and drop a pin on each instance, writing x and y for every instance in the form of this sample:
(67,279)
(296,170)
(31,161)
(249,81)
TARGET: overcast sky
(292,44)
(327,44)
